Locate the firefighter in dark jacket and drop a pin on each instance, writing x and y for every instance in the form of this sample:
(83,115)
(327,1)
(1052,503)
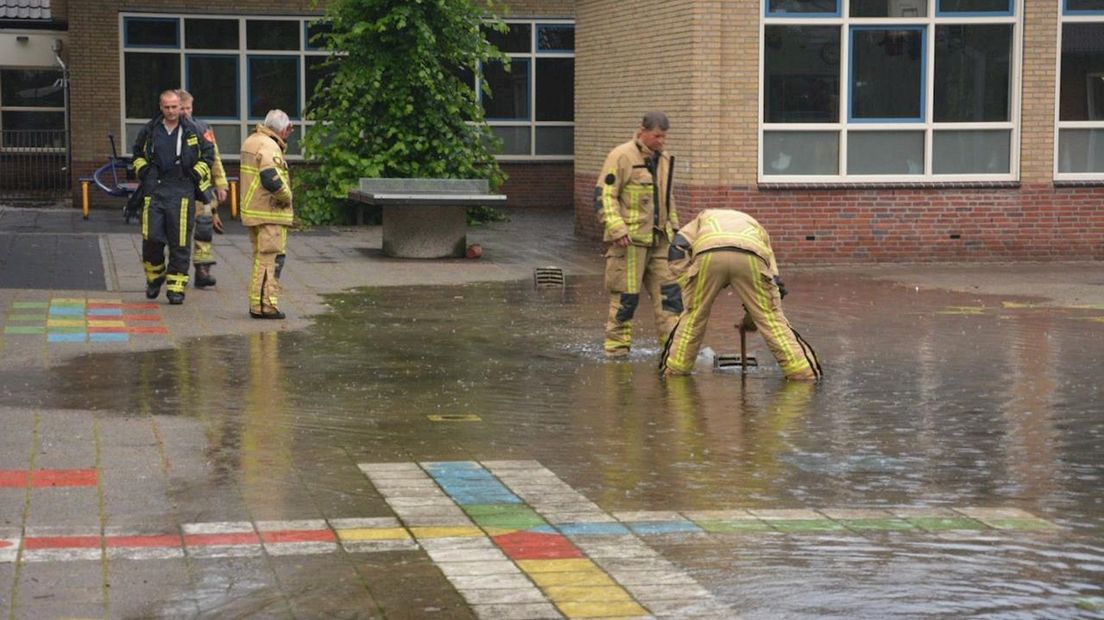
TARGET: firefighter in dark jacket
(173,163)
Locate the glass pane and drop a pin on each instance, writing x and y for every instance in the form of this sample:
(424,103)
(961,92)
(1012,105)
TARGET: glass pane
(803,6)
(228,138)
(34,120)
(318,73)
(889,8)
(273,84)
(555,89)
(515,140)
(1081,95)
(973,66)
(132,130)
(317,28)
(517,39)
(151,31)
(887,72)
(272,34)
(974,6)
(885,152)
(509,91)
(215,34)
(1081,150)
(293,145)
(805,152)
(971,152)
(213,82)
(1085,5)
(31,87)
(555,140)
(801,74)
(145,77)
(556,37)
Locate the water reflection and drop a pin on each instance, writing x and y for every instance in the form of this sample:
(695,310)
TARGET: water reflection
(921,407)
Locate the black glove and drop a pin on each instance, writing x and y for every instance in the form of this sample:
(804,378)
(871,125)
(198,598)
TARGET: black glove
(782,292)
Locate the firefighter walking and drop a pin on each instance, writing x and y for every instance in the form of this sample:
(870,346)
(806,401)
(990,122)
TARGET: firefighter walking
(266,209)
(174,165)
(207,219)
(633,202)
(721,248)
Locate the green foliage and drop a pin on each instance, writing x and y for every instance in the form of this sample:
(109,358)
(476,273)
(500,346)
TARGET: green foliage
(394,104)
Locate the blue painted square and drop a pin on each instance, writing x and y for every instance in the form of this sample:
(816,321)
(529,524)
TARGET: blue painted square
(105,312)
(108,337)
(65,337)
(645,528)
(469,499)
(66,311)
(593,529)
(543,529)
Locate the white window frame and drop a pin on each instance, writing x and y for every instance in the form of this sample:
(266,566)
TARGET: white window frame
(1073,17)
(532,123)
(244,122)
(16,108)
(928,125)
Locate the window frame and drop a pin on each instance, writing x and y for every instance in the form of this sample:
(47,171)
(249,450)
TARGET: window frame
(531,121)
(4,108)
(1067,16)
(845,125)
(244,122)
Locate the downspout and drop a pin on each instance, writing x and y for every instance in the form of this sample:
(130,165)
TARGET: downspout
(56,47)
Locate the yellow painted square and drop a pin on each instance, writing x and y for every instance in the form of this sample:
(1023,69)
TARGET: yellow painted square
(105,301)
(601,610)
(376,533)
(556,566)
(587,594)
(446,532)
(65,323)
(102,323)
(501,531)
(591,579)
(68,301)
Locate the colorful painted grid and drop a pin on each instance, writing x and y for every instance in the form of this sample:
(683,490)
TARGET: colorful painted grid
(83,320)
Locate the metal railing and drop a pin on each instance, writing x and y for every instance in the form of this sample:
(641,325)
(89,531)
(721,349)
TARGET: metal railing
(33,166)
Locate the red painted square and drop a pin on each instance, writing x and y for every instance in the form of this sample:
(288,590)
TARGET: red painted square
(63,478)
(536,546)
(142,306)
(294,536)
(141,317)
(13,478)
(106,330)
(148,330)
(153,540)
(236,538)
(62,542)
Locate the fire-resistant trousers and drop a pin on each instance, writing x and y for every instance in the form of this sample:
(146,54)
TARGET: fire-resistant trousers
(167,219)
(628,270)
(269,250)
(204,233)
(711,272)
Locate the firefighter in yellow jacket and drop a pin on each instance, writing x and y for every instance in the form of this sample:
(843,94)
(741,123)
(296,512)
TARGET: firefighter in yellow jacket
(266,210)
(634,205)
(721,248)
(207,218)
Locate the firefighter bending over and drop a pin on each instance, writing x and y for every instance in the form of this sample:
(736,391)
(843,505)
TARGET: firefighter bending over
(721,248)
(633,203)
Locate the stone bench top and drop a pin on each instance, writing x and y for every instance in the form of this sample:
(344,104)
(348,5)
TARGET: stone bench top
(429,192)
(427,199)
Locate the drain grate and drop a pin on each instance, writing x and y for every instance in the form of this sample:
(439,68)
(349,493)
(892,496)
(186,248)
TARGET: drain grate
(548,277)
(731,361)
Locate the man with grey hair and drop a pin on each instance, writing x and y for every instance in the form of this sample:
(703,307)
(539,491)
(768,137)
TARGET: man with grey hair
(634,205)
(266,210)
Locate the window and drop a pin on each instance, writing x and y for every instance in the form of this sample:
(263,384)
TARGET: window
(889,90)
(1080,127)
(532,104)
(32,109)
(237,68)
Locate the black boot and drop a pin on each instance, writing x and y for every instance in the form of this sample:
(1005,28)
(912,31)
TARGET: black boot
(175,298)
(203,277)
(153,289)
(271,314)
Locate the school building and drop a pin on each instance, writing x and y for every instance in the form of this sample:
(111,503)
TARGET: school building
(854,130)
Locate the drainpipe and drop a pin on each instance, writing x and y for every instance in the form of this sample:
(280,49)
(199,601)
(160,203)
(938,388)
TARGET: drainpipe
(56,47)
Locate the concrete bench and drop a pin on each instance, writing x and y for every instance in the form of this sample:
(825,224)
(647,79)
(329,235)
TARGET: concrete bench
(425,218)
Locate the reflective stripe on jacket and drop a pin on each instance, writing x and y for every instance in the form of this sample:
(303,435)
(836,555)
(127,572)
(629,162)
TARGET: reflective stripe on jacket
(265,183)
(633,195)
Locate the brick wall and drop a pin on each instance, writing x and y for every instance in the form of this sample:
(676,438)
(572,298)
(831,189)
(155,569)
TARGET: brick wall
(545,184)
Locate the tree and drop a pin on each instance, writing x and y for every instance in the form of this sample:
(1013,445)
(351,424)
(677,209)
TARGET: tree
(396,102)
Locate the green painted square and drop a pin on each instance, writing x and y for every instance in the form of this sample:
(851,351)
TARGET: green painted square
(509,522)
(938,524)
(734,525)
(878,525)
(1019,523)
(805,525)
(483,510)
(28,317)
(67,304)
(25,329)
(75,329)
(31,304)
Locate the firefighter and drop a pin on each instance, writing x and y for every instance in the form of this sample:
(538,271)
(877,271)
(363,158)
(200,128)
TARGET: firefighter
(633,203)
(266,210)
(721,248)
(174,165)
(207,218)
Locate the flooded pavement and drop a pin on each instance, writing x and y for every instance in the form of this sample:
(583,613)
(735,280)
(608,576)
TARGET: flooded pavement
(441,451)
